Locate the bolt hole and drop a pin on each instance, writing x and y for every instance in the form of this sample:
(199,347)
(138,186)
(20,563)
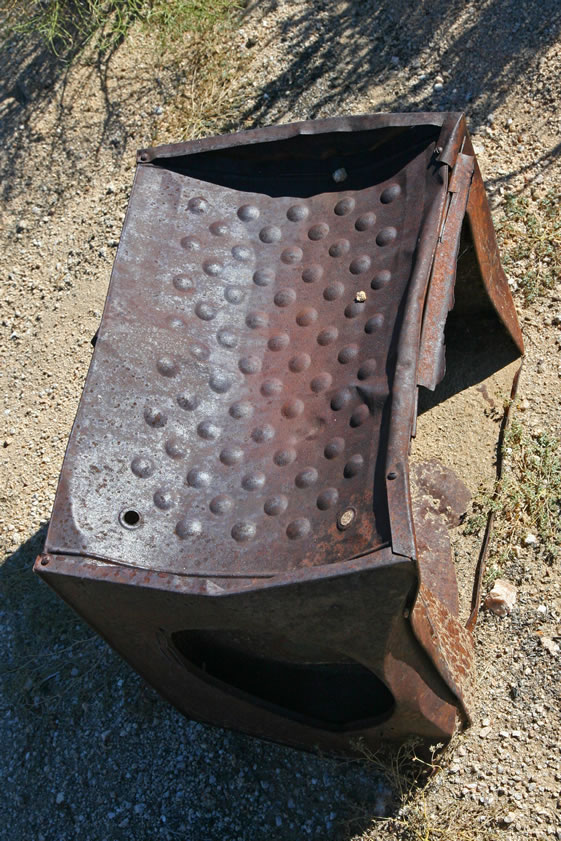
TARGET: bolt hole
(130,518)
(44,562)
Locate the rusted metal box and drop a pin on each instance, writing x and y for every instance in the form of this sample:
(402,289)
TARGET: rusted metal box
(234,512)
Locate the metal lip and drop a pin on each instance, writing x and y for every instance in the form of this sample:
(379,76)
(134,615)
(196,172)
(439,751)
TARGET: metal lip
(359,122)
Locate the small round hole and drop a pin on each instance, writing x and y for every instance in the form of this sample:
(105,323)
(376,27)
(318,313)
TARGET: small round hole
(130,518)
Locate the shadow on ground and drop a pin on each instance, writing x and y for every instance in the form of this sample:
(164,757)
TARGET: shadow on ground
(66,698)
(88,118)
(88,734)
(333,58)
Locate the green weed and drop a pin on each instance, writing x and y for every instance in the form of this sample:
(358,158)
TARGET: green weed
(530,240)
(527,499)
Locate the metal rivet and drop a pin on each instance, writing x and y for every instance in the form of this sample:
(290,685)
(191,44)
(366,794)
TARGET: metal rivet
(438,150)
(406,613)
(44,562)
(143,156)
(392,475)
(346,518)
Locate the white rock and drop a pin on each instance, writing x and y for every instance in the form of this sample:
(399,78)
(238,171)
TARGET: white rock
(551,646)
(542,608)
(530,539)
(502,597)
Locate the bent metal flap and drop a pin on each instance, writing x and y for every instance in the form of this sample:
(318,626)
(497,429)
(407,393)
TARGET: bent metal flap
(234,512)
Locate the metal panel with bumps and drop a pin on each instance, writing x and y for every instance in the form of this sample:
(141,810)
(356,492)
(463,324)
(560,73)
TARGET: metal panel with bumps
(238,469)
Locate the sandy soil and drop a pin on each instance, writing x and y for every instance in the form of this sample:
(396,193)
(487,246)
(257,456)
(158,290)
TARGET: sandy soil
(86,747)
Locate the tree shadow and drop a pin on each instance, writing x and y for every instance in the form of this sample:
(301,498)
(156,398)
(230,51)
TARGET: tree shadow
(332,60)
(109,755)
(68,137)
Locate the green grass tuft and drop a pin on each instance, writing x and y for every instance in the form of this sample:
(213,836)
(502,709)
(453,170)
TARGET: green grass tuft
(66,26)
(530,240)
(527,499)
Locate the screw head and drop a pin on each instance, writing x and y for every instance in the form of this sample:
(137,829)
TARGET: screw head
(392,475)
(346,518)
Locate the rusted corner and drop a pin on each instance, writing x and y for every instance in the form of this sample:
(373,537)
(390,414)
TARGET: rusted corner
(448,644)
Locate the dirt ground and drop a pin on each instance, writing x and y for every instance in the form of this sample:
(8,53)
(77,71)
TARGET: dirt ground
(86,748)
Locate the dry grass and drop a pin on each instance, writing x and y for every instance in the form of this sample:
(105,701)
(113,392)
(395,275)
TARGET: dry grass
(421,813)
(207,97)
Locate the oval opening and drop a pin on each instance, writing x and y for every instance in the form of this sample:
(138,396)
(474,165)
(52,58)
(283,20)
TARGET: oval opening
(319,687)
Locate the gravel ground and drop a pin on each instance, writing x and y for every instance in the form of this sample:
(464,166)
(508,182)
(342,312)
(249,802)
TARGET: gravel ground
(88,749)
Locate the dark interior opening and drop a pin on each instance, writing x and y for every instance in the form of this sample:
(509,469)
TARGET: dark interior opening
(304,165)
(332,692)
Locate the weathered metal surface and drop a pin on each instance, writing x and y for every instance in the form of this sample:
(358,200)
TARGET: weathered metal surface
(351,614)
(487,252)
(448,494)
(234,513)
(431,365)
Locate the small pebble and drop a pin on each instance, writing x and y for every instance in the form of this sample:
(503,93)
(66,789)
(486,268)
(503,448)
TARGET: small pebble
(550,645)
(502,598)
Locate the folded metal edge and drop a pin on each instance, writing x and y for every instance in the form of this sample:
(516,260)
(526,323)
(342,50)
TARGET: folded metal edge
(305,127)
